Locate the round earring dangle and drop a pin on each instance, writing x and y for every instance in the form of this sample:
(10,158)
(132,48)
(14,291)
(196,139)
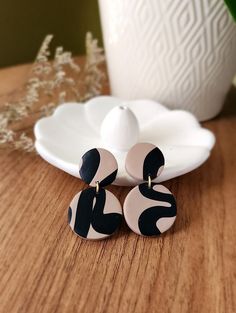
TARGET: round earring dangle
(149,208)
(95,213)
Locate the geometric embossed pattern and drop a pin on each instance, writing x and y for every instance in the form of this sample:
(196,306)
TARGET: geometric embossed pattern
(181,53)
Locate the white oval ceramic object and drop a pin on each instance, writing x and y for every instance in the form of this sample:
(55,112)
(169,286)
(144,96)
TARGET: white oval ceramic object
(74,128)
(119,129)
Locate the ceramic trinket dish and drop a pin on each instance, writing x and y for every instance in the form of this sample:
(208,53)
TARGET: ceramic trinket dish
(114,124)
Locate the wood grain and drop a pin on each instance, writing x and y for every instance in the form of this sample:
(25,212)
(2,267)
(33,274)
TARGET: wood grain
(44,267)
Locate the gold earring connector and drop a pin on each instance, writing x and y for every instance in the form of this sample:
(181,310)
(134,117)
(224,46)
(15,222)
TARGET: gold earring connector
(97,186)
(149,182)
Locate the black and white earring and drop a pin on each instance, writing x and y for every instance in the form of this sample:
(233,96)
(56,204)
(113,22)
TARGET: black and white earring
(95,213)
(149,208)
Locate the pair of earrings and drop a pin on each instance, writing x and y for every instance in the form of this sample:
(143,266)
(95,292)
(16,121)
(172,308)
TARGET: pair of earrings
(149,208)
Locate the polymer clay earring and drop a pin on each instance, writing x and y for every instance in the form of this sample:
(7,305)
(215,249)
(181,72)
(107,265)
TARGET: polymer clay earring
(149,208)
(95,213)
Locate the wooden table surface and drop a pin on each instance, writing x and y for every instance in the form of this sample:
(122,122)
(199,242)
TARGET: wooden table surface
(44,267)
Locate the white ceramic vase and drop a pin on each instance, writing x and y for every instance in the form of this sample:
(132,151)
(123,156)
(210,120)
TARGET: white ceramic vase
(181,53)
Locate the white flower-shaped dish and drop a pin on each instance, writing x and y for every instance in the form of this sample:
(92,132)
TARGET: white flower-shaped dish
(74,128)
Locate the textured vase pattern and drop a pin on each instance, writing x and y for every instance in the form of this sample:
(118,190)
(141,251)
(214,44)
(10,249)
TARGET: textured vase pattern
(181,53)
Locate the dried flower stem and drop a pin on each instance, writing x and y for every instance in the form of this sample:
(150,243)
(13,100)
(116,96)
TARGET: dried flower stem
(52,82)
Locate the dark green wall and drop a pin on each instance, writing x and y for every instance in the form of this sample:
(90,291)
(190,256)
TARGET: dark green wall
(24,24)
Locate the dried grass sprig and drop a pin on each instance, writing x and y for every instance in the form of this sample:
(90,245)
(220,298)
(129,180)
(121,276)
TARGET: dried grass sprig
(51,83)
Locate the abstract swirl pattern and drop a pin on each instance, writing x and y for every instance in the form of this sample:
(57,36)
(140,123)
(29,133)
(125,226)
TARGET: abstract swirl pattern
(143,160)
(98,165)
(94,215)
(150,211)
